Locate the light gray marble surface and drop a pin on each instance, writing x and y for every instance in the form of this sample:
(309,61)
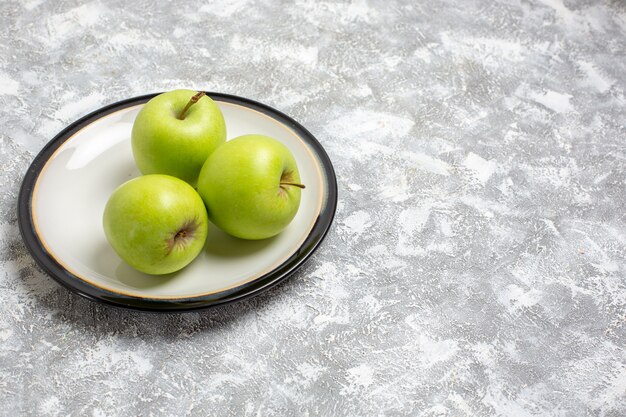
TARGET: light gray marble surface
(477,263)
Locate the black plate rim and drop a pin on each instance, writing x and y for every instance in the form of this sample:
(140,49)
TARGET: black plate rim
(249,289)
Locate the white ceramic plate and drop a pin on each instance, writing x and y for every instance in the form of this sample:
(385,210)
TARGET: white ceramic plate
(68,184)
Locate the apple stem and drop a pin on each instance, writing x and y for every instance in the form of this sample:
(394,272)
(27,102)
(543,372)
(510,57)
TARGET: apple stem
(295,184)
(191,102)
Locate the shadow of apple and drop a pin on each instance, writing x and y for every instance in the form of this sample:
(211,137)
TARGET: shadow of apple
(223,245)
(138,280)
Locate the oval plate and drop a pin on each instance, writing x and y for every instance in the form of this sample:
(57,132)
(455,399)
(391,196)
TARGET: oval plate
(64,192)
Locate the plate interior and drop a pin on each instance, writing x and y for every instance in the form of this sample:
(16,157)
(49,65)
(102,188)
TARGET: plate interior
(76,182)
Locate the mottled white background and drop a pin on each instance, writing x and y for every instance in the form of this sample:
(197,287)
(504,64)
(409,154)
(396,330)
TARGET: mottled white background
(478,258)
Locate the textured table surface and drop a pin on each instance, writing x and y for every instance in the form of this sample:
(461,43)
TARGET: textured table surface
(477,263)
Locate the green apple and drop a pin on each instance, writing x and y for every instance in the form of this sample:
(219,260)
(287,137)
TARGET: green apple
(175,132)
(156,223)
(251,187)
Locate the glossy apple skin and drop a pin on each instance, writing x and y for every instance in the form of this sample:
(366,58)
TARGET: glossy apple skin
(240,185)
(142,217)
(164,144)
